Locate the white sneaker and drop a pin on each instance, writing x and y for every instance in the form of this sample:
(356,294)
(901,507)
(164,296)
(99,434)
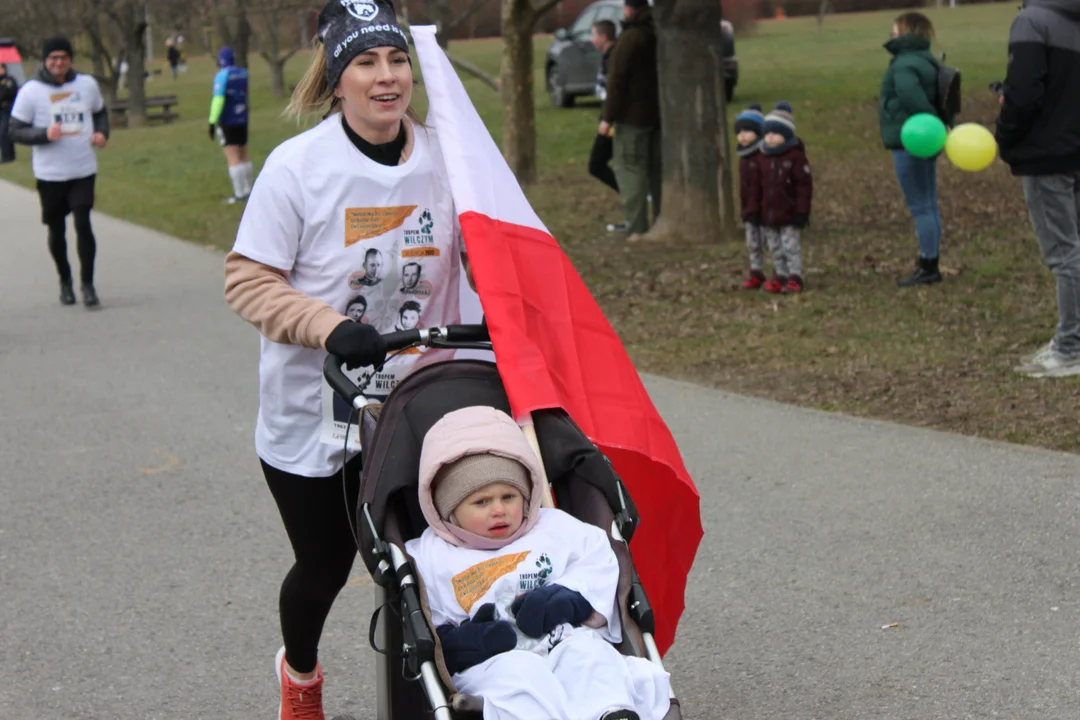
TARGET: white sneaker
(1050,364)
(1039,354)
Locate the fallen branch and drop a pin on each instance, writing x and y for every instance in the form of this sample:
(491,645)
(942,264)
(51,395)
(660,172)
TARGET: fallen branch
(467,67)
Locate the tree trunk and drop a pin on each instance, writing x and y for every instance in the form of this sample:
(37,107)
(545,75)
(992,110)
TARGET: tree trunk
(822,9)
(133,26)
(273,57)
(243,36)
(516,83)
(240,38)
(440,14)
(698,203)
(105,72)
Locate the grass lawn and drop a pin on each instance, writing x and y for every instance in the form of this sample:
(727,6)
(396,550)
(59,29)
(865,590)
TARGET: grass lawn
(938,356)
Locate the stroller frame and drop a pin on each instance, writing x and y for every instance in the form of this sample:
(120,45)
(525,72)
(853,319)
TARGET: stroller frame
(582,478)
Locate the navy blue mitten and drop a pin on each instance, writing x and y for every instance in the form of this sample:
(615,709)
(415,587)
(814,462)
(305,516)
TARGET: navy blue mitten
(540,611)
(475,640)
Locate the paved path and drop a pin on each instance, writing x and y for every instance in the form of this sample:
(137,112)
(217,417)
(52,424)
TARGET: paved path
(140,553)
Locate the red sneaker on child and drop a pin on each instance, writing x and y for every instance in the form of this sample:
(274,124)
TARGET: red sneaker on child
(775,285)
(793,285)
(755,281)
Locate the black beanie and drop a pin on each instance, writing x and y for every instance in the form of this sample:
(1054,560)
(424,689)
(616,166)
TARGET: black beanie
(350,27)
(56,43)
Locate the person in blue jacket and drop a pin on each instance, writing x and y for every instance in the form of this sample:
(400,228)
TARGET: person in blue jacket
(229,123)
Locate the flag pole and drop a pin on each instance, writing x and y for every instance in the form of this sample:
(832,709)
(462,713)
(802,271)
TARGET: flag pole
(527,427)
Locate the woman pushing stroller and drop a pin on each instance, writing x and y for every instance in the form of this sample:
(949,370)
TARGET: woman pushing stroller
(523,598)
(363,185)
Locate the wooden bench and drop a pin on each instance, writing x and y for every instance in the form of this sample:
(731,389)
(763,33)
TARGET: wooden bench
(163,103)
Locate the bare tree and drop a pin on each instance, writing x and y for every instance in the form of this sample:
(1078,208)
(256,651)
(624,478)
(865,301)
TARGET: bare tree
(106,52)
(697,191)
(443,38)
(519,18)
(446,19)
(233,26)
(128,17)
(825,7)
(274,19)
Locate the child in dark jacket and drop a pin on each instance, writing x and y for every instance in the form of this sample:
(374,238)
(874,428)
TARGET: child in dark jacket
(749,130)
(786,191)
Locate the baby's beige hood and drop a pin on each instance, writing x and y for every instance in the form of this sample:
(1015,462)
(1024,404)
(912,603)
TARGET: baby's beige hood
(474,431)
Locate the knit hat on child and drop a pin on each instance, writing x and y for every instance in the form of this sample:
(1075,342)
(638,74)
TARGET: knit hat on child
(458,480)
(782,122)
(752,119)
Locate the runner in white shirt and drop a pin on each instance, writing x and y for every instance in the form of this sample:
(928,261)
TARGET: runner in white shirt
(336,215)
(62,115)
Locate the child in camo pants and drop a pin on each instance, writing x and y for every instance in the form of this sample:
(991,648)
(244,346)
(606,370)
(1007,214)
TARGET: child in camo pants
(786,192)
(749,129)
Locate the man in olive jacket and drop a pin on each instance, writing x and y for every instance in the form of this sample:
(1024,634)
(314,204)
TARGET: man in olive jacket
(1038,134)
(632,107)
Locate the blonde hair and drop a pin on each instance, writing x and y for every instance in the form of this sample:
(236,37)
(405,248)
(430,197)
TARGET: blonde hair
(917,24)
(313,93)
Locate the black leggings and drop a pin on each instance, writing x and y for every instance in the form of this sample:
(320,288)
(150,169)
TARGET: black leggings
(600,161)
(86,244)
(313,510)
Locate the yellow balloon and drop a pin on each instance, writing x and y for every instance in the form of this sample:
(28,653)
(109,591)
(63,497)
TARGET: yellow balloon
(971,147)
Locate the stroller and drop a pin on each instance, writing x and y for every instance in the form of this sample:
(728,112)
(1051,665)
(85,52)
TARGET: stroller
(388,513)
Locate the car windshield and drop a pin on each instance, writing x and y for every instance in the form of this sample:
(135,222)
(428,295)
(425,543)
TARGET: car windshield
(583,25)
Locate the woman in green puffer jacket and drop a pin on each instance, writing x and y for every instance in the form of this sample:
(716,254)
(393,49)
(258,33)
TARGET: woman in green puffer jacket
(910,87)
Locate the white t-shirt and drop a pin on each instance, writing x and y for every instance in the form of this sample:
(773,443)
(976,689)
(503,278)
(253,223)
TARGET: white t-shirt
(73,105)
(559,549)
(345,227)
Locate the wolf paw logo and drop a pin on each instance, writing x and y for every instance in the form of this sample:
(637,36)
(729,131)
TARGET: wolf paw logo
(361,9)
(426,223)
(544,565)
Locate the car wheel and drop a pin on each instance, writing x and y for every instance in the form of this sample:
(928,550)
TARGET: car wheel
(729,90)
(557,91)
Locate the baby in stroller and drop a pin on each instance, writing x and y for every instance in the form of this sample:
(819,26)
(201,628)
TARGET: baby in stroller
(523,597)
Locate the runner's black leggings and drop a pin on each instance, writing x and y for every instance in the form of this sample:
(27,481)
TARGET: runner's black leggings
(86,244)
(313,510)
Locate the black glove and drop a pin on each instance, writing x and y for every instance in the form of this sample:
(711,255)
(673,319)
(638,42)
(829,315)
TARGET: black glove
(802,220)
(357,344)
(475,640)
(542,610)
(213,136)
(754,219)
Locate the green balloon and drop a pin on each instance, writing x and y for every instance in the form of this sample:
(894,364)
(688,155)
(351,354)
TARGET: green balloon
(923,135)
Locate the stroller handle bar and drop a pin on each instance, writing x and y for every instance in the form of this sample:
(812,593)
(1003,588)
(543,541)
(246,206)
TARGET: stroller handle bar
(453,337)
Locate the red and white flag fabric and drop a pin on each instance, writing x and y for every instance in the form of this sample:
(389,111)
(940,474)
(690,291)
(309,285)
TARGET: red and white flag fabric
(552,343)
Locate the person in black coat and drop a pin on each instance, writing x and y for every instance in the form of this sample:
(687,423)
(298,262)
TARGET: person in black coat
(8,90)
(1037,133)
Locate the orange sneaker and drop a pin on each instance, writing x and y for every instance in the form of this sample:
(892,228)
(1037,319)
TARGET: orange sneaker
(298,702)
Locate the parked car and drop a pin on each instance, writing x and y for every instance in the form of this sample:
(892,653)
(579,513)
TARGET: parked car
(572,61)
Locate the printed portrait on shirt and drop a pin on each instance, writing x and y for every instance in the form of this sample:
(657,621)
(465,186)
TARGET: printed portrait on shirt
(408,316)
(373,272)
(357,309)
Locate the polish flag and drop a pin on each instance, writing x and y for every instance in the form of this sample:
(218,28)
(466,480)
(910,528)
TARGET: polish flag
(553,344)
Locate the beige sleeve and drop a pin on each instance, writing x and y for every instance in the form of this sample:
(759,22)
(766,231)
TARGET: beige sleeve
(262,295)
